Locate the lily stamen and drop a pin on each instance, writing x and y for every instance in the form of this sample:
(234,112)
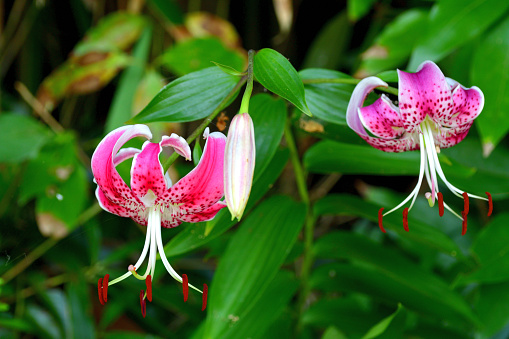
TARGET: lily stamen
(490,210)
(440,204)
(185,286)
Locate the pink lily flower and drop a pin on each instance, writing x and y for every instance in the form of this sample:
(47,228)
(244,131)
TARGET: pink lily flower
(239,164)
(433,112)
(152,200)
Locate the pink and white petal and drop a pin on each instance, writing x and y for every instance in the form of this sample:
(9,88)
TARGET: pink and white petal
(113,208)
(178,143)
(170,222)
(139,220)
(147,174)
(363,88)
(402,144)
(124,154)
(382,119)
(453,136)
(203,186)
(103,168)
(468,104)
(426,92)
(205,215)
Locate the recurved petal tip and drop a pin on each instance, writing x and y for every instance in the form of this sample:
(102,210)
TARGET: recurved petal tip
(363,88)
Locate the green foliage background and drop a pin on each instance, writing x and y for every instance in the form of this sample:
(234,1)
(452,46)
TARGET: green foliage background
(307,260)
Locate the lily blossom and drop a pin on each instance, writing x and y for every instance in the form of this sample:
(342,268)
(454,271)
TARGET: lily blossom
(152,200)
(239,164)
(433,112)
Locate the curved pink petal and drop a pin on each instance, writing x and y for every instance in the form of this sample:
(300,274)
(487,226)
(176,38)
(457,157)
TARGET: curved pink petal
(423,93)
(147,174)
(382,119)
(363,88)
(124,154)
(468,104)
(103,168)
(178,143)
(403,144)
(205,215)
(453,136)
(203,186)
(113,208)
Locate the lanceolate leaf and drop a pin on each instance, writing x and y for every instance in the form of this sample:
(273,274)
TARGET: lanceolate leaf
(268,116)
(191,97)
(122,106)
(398,278)
(451,24)
(330,156)
(277,75)
(251,261)
(327,101)
(194,235)
(490,72)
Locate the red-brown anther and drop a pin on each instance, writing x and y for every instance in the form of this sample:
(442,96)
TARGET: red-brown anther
(100,290)
(185,286)
(490,210)
(380,217)
(148,282)
(465,199)
(143,304)
(105,287)
(464,224)
(204,297)
(440,204)
(405,219)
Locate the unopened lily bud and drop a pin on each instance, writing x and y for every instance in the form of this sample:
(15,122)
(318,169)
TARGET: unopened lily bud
(239,164)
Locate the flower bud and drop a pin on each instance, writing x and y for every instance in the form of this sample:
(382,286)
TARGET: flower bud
(239,164)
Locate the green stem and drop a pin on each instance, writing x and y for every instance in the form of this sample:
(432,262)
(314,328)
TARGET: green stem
(244,106)
(199,130)
(349,81)
(300,178)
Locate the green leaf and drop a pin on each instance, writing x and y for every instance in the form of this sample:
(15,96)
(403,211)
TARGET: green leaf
(492,306)
(349,313)
(121,108)
(194,54)
(397,279)
(390,327)
(197,152)
(491,249)
(327,101)
(359,8)
(191,97)
(420,231)
(193,235)
(333,333)
(328,48)
(329,156)
(395,43)
(269,115)
(115,31)
(490,71)
(228,69)
(251,261)
(451,24)
(43,322)
(23,138)
(490,174)
(270,305)
(277,75)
